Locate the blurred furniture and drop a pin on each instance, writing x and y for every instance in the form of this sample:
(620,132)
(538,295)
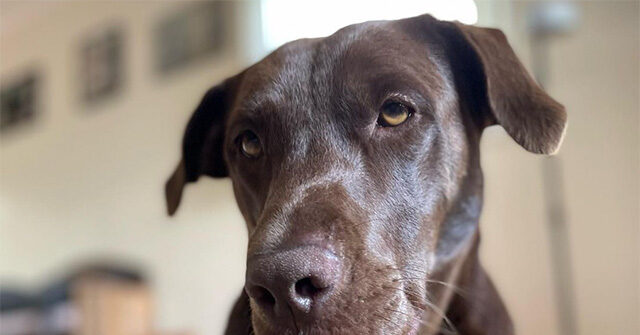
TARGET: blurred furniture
(19,313)
(96,300)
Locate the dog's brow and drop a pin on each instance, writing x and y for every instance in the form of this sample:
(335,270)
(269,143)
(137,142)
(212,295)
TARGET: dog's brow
(258,101)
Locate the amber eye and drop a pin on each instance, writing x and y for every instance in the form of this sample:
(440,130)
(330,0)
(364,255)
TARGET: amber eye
(393,114)
(250,144)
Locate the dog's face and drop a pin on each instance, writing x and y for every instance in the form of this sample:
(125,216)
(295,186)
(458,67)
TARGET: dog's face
(352,158)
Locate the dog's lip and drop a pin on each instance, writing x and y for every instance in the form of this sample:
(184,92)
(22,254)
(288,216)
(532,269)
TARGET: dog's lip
(414,330)
(411,326)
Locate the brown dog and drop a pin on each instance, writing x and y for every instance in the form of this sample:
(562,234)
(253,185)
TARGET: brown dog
(354,161)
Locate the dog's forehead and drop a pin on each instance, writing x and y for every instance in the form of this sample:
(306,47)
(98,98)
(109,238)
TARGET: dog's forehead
(280,78)
(312,72)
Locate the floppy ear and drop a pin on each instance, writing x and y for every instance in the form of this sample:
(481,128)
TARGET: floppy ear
(532,118)
(499,87)
(202,143)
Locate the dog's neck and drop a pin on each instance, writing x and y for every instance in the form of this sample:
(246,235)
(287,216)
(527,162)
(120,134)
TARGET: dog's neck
(457,245)
(460,224)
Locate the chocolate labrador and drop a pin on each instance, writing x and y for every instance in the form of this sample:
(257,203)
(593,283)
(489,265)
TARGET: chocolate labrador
(354,161)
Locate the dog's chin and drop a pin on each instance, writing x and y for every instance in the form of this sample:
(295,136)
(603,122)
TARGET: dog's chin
(392,327)
(388,321)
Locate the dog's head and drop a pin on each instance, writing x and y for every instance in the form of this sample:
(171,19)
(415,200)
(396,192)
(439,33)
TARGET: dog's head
(354,161)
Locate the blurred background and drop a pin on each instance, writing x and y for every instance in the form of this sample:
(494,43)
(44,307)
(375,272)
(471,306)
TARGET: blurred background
(95,97)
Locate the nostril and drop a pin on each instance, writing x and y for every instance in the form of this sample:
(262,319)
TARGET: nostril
(306,288)
(263,297)
(300,281)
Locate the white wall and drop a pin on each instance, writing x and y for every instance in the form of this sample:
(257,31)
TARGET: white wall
(595,73)
(88,182)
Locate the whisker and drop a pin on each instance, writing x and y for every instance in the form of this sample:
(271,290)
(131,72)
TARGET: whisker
(381,316)
(431,305)
(420,320)
(442,315)
(455,288)
(409,269)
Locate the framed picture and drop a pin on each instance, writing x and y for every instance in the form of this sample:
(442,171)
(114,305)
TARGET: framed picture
(191,33)
(18,101)
(101,63)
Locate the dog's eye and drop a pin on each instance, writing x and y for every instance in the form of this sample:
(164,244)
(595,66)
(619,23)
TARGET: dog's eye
(393,114)
(250,144)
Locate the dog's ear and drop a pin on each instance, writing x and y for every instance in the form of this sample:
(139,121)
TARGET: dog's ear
(496,82)
(202,152)
(528,114)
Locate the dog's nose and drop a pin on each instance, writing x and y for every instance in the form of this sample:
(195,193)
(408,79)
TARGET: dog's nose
(297,281)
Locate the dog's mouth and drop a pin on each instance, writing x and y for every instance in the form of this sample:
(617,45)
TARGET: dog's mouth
(385,309)
(398,323)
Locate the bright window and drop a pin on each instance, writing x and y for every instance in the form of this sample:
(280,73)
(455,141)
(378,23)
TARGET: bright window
(287,20)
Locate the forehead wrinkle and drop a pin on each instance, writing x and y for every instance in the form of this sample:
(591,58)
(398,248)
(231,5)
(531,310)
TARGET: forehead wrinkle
(343,175)
(339,172)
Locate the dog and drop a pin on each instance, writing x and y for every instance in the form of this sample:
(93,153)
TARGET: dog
(354,160)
